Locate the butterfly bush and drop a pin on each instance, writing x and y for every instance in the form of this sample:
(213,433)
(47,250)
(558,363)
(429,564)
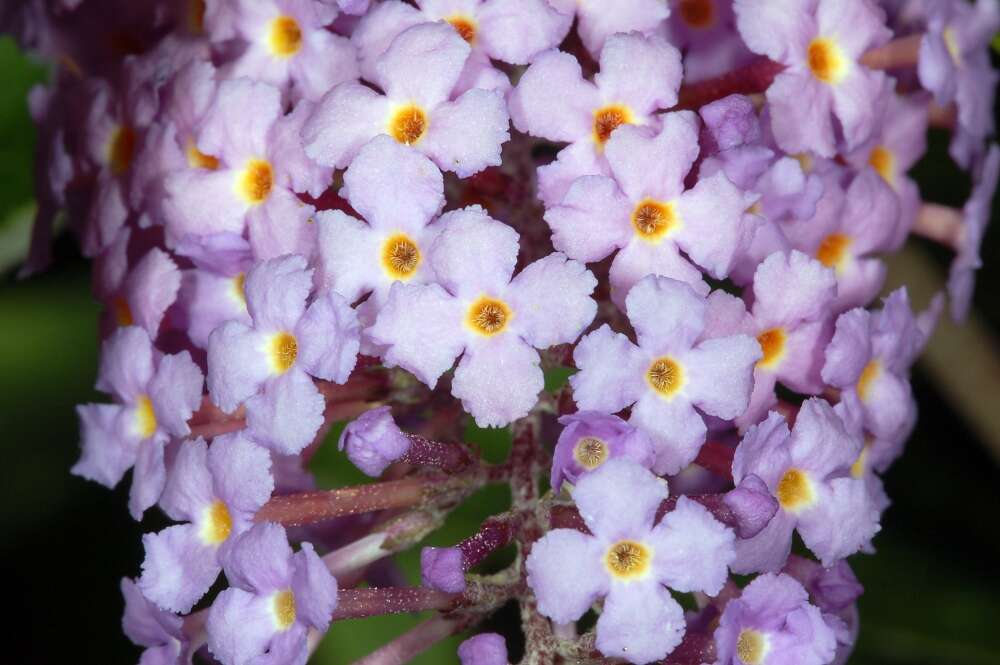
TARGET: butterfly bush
(386,221)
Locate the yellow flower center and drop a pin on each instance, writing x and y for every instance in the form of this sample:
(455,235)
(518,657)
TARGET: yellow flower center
(464,26)
(653,220)
(123,313)
(868,375)
(951,43)
(860,464)
(255,181)
(884,162)
(697,13)
(199,160)
(285,37)
(628,559)
(400,256)
(609,118)
(751,647)
(488,316)
(239,288)
(283,606)
(772,345)
(826,61)
(795,490)
(284,350)
(217,524)
(121,149)
(590,452)
(408,124)
(665,376)
(832,252)
(145,417)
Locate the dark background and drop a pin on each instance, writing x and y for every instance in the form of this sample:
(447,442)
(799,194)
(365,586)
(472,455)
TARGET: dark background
(932,591)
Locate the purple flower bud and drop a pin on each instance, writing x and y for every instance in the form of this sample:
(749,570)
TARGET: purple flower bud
(589,439)
(731,121)
(373,441)
(753,505)
(441,569)
(483,649)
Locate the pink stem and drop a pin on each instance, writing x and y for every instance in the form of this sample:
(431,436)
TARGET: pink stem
(902,52)
(416,640)
(361,603)
(940,224)
(717,458)
(492,535)
(449,457)
(309,507)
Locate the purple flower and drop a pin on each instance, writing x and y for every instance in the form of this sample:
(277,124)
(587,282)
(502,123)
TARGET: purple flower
(398,192)
(589,439)
(477,310)
(483,649)
(772,623)
(274,599)
(976,215)
(268,365)
(808,472)
(672,371)
(898,142)
(790,318)
(373,441)
(848,229)
(823,87)
(216,491)
(629,561)
(212,298)
(288,45)
(254,165)
(553,101)
(645,210)
(155,396)
(869,360)
(160,633)
(418,72)
(955,65)
(596,25)
(140,296)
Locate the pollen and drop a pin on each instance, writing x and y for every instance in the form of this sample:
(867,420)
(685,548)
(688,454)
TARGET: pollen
(488,316)
(868,376)
(283,606)
(951,43)
(628,559)
(751,646)
(697,13)
(400,257)
(772,345)
(256,181)
(196,16)
(217,523)
(884,162)
(464,26)
(284,350)
(239,288)
(609,118)
(860,464)
(666,376)
(199,160)
(832,252)
(145,417)
(408,125)
(590,452)
(121,149)
(653,220)
(826,61)
(795,490)
(285,37)
(123,313)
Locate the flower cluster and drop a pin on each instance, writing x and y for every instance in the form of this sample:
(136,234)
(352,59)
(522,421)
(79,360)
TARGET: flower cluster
(403,217)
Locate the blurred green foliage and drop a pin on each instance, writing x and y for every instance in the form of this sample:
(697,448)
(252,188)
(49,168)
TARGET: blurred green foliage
(932,591)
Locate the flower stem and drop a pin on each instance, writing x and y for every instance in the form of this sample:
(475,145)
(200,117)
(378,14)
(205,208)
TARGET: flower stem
(361,603)
(417,640)
(309,507)
(940,224)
